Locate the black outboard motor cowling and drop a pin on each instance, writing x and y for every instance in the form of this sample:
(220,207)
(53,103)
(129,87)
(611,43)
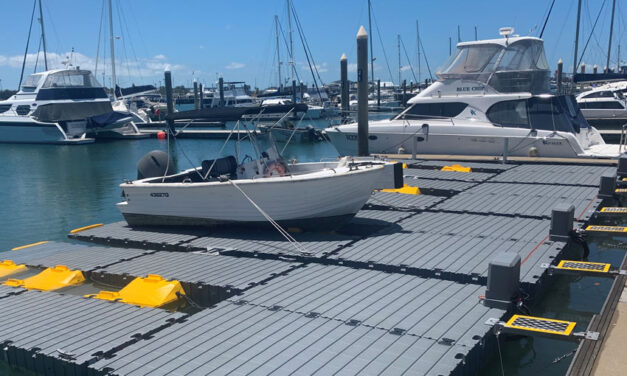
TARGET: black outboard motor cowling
(154,164)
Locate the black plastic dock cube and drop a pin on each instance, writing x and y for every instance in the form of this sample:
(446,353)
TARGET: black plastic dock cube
(503,280)
(562,218)
(607,185)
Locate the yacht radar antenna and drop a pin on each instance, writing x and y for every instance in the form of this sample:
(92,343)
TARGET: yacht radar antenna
(506,31)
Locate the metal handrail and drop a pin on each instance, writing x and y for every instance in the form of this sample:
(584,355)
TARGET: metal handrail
(623,138)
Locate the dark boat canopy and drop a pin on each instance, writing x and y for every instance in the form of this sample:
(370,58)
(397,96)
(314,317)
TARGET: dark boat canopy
(133,90)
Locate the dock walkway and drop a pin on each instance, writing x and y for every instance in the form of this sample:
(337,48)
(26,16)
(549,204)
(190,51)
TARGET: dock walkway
(398,290)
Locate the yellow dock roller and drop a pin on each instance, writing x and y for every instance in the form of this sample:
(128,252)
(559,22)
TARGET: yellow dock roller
(606,229)
(613,210)
(456,168)
(406,190)
(28,245)
(152,291)
(50,279)
(8,267)
(86,228)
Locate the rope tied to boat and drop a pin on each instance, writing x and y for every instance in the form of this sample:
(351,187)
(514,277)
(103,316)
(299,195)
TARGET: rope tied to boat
(300,249)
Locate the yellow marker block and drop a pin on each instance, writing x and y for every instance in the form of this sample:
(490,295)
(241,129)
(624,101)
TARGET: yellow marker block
(540,324)
(614,210)
(152,291)
(599,267)
(407,190)
(50,279)
(404,164)
(86,228)
(456,167)
(8,267)
(621,190)
(29,245)
(597,228)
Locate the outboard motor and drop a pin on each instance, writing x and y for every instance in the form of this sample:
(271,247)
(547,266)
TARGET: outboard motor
(154,164)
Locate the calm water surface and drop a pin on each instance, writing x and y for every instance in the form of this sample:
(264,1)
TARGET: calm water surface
(48,190)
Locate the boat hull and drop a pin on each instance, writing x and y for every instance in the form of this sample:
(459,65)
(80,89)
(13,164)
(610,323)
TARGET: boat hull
(34,132)
(319,202)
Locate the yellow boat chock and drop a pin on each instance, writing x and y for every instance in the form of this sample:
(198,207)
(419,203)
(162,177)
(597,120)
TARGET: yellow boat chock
(29,245)
(8,267)
(530,325)
(86,228)
(152,291)
(456,168)
(583,268)
(50,279)
(406,190)
(606,229)
(613,210)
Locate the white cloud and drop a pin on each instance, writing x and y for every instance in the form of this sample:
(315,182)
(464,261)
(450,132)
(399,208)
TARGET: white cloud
(405,68)
(352,67)
(136,69)
(235,65)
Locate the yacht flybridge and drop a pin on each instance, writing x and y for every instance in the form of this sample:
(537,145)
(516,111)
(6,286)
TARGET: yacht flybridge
(491,98)
(60,106)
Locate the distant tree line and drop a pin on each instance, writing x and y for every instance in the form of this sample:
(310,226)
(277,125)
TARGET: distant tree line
(5,94)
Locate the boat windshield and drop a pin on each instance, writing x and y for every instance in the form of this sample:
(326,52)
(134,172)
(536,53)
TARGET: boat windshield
(31,82)
(520,66)
(71,78)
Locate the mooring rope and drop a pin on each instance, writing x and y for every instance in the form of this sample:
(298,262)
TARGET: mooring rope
(300,249)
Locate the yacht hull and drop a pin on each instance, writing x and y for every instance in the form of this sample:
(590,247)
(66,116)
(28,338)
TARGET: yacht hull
(460,140)
(34,132)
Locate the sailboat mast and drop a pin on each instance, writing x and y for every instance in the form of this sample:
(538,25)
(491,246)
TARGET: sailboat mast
(609,47)
(289,23)
(371,50)
(43,34)
(577,37)
(398,38)
(114,84)
(418,42)
(278,51)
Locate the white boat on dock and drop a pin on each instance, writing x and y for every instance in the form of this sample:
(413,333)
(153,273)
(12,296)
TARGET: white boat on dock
(318,195)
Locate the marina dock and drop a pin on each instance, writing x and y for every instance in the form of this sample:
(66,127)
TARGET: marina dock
(400,289)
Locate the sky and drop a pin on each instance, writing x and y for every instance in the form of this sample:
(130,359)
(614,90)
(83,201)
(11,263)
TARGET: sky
(204,39)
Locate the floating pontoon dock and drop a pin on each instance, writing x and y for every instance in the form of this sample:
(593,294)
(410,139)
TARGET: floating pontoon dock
(400,290)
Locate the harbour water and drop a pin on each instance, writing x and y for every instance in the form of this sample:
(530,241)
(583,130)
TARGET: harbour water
(51,189)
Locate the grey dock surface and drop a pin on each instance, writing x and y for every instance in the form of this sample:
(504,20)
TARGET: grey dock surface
(398,290)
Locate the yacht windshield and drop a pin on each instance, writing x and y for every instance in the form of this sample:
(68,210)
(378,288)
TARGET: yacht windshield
(71,78)
(31,82)
(471,59)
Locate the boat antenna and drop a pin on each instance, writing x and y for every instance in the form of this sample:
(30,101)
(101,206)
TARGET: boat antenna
(577,36)
(546,19)
(371,50)
(609,47)
(289,24)
(278,50)
(113,80)
(27,43)
(43,35)
(418,42)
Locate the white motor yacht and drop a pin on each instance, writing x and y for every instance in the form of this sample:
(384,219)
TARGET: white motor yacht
(64,106)
(605,106)
(491,98)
